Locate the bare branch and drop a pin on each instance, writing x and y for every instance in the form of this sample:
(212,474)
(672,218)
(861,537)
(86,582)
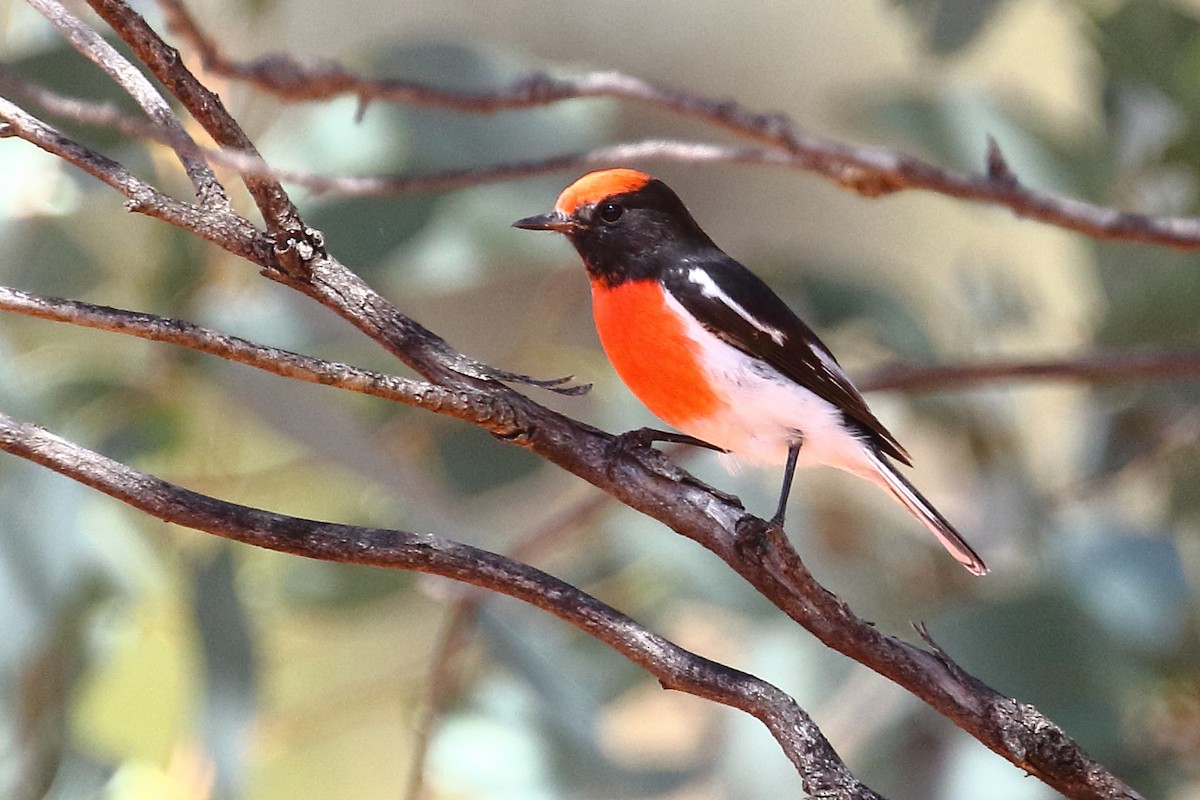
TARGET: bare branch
(821,771)
(298,256)
(870,171)
(333,285)
(108,116)
(281,362)
(232,348)
(1096,368)
(311,271)
(89,43)
(253,165)
(646,150)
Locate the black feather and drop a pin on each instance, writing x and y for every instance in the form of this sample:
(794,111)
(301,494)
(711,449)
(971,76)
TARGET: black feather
(792,348)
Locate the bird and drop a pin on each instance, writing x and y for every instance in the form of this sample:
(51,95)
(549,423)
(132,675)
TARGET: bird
(710,349)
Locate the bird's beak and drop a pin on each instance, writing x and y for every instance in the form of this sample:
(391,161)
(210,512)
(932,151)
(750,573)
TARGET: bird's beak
(554,221)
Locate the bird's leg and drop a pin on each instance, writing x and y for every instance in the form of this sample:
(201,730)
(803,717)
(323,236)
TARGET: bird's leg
(644,437)
(789,472)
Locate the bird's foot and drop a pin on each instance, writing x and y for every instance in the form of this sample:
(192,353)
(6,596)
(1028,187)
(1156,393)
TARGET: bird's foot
(750,534)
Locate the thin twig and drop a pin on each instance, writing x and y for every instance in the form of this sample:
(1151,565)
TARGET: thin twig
(1094,368)
(285,363)
(93,46)
(822,773)
(870,171)
(253,165)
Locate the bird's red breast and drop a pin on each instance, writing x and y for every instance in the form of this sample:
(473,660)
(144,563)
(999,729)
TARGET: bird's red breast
(648,344)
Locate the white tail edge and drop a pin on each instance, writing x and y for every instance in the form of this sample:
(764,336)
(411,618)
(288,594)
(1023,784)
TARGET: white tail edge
(887,477)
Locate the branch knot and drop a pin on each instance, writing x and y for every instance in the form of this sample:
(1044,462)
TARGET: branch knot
(295,254)
(538,87)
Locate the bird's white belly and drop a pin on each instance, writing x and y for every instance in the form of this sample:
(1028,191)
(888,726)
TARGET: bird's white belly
(763,412)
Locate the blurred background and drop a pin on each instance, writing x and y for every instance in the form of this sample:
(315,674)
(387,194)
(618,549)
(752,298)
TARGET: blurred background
(141,660)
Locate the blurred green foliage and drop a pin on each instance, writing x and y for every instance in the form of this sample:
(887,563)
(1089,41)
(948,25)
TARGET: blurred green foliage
(146,661)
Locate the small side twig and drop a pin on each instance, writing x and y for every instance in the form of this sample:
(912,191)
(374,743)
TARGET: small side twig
(998,169)
(89,43)
(203,104)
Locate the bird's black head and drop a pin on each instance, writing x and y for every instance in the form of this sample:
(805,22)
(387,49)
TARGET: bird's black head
(625,225)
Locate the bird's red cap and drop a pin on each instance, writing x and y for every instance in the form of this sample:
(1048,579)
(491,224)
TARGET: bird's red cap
(595,186)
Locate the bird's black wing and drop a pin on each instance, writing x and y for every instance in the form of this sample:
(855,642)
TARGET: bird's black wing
(734,304)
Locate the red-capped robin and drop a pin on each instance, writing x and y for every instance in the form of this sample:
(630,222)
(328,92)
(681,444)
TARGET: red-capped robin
(708,347)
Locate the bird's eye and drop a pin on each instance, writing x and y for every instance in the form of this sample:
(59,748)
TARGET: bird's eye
(611,212)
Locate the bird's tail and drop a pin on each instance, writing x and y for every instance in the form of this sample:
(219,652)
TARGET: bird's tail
(887,476)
